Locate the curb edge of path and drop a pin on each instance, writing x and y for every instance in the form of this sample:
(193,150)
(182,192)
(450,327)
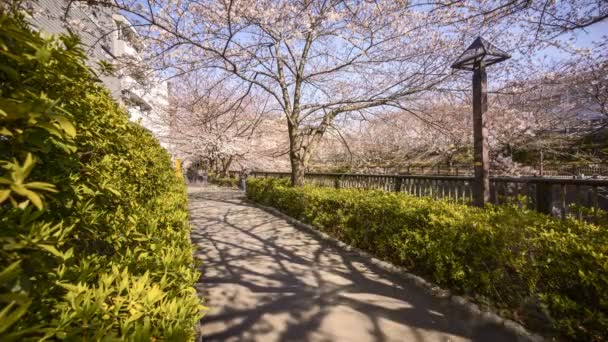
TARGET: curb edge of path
(488,317)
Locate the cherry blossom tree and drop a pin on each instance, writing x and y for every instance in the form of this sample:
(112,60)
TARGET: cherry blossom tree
(318,61)
(526,116)
(542,20)
(589,82)
(431,130)
(219,125)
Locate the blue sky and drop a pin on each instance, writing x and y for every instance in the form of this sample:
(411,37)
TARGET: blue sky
(586,38)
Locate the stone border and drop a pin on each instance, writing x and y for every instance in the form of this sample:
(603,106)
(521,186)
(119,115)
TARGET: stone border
(488,317)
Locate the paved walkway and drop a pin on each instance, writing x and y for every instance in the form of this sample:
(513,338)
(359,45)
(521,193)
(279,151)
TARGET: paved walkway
(265,280)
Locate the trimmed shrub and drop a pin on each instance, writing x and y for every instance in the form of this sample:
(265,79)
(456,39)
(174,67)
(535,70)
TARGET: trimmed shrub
(94,230)
(225,181)
(550,274)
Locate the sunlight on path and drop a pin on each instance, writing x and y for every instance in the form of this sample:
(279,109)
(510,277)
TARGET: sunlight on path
(265,280)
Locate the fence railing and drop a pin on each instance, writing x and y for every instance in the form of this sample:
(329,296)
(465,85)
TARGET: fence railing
(556,196)
(548,170)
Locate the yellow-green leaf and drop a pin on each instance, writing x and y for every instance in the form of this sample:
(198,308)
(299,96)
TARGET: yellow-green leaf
(51,249)
(66,125)
(9,272)
(41,186)
(4,195)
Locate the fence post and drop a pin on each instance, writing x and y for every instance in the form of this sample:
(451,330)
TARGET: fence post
(337,183)
(398,182)
(544,200)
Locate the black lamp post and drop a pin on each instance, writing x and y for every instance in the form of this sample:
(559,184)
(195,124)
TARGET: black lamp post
(476,58)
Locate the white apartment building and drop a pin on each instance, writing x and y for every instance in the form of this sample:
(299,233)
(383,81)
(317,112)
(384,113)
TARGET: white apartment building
(106,35)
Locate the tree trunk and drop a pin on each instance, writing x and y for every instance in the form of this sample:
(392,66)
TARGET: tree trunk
(296,156)
(298,168)
(212,164)
(226,166)
(301,148)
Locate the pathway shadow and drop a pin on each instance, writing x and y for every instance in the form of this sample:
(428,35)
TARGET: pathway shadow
(265,280)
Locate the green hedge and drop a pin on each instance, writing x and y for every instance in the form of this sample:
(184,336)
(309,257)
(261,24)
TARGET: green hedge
(548,273)
(224,181)
(94,230)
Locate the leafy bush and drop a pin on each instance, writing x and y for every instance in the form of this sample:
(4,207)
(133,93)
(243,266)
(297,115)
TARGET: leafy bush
(225,181)
(547,273)
(95,239)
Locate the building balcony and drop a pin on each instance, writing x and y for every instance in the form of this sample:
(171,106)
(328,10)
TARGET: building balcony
(124,48)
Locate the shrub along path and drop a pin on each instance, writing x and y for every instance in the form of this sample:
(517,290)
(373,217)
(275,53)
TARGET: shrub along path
(266,280)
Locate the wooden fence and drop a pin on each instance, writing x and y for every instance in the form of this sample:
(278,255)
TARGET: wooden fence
(548,170)
(556,196)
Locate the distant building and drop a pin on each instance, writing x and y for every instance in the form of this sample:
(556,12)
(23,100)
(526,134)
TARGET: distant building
(106,35)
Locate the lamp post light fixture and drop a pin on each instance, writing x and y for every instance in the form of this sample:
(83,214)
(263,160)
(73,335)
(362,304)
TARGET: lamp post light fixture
(476,58)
